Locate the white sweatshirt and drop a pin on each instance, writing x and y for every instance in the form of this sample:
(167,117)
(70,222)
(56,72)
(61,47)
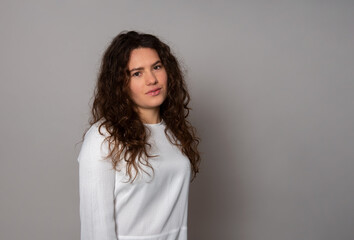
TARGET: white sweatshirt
(150,208)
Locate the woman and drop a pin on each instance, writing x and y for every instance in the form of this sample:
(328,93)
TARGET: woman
(140,152)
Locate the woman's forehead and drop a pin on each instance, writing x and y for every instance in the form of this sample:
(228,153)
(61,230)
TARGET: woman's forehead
(142,57)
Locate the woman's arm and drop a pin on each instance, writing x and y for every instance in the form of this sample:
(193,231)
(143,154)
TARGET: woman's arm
(97,181)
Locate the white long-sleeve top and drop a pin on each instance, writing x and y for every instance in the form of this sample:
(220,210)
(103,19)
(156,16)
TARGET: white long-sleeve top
(150,208)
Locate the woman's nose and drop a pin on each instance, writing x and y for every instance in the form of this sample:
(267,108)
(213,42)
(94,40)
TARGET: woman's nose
(151,79)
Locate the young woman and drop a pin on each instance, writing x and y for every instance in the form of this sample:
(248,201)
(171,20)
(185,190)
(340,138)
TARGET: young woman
(140,152)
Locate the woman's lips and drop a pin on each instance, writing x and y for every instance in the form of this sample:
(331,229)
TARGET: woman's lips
(154,92)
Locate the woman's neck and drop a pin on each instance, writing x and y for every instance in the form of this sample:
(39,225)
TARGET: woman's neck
(150,116)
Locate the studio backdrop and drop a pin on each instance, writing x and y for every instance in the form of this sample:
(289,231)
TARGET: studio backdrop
(271,84)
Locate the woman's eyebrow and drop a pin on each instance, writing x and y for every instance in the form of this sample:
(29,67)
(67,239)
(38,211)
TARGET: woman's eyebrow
(157,62)
(142,68)
(136,69)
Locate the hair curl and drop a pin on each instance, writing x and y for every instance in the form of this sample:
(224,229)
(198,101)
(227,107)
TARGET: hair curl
(114,108)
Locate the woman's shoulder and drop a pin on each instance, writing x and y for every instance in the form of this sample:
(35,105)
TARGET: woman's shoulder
(96,131)
(95,136)
(94,141)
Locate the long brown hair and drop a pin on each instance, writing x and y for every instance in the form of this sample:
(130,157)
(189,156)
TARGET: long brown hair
(113,107)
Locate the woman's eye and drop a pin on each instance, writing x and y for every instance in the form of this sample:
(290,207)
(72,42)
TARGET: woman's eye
(136,74)
(157,67)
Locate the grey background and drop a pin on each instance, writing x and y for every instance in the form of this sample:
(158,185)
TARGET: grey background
(272,92)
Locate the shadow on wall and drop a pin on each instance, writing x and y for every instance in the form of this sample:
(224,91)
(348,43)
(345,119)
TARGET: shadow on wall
(215,205)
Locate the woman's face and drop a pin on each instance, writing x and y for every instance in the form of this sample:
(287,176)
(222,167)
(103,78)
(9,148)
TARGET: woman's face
(148,79)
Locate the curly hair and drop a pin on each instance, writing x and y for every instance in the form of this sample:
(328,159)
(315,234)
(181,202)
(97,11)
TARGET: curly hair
(114,108)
